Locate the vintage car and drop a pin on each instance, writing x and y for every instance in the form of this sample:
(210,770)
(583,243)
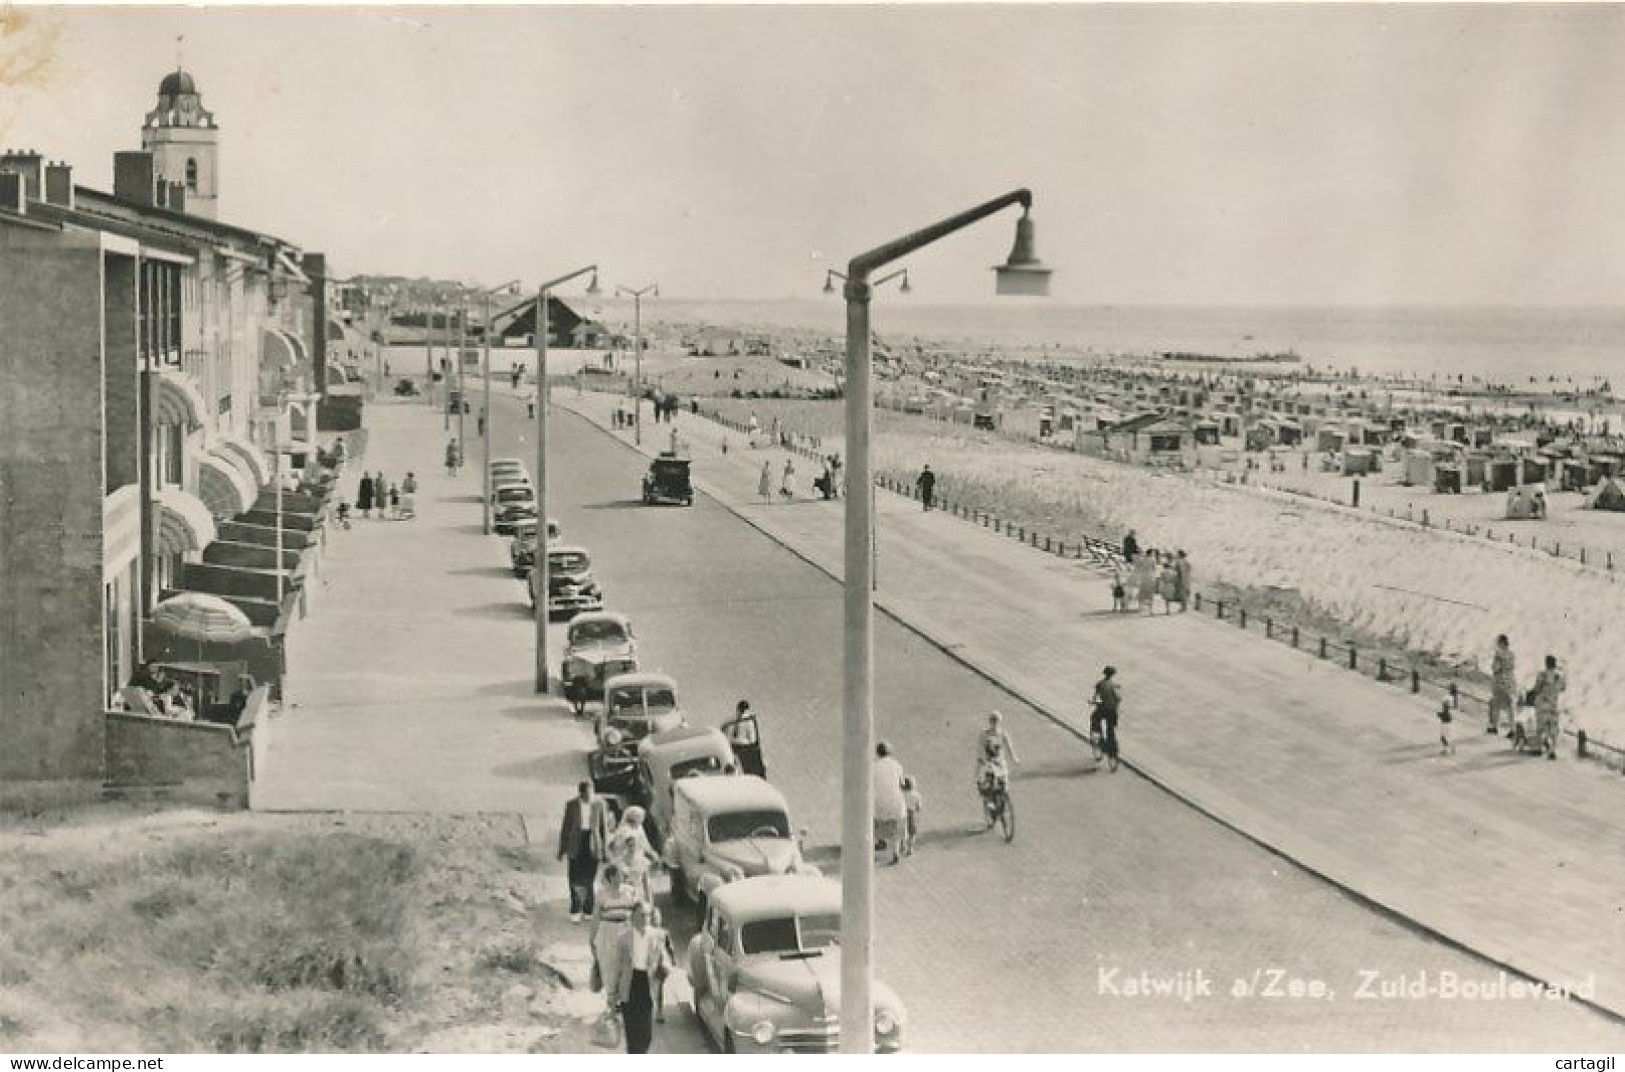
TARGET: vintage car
(598,646)
(522,548)
(571,587)
(508,465)
(667,481)
(510,505)
(635,706)
(766,969)
(499,481)
(665,759)
(726,829)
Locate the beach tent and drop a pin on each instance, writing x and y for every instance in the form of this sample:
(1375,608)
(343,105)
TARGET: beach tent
(1418,470)
(1526,501)
(1608,496)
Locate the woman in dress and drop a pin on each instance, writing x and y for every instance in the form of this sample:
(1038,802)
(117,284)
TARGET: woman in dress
(612,909)
(787,482)
(363,496)
(629,850)
(764,487)
(1168,584)
(1145,580)
(1503,687)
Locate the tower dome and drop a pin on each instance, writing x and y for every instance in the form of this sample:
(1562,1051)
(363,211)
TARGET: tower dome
(175,83)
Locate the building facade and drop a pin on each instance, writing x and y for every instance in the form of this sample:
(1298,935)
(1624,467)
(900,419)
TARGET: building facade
(159,374)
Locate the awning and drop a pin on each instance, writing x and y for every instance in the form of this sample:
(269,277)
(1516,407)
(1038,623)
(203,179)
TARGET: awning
(184,523)
(121,529)
(253,457)
(179,400)
(298,344)
(224,485)
(287,265)
(277,348)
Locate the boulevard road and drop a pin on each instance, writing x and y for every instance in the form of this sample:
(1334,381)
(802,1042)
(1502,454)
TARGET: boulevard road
(1110,886)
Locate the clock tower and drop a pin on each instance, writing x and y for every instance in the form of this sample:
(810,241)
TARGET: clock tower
(185,143)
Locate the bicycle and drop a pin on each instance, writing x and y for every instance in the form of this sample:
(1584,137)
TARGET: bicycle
(1000,809)
(1102,744)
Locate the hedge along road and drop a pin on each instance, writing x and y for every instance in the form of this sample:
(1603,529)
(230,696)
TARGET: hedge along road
(1119,919)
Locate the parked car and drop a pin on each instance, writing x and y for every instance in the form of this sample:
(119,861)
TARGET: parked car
(665,759)
(635,706)
(500,481)
(522,548)
(510,506)
(667,481)
(509,465)
(599,645)
(571,586)
(766,969)
(726,829)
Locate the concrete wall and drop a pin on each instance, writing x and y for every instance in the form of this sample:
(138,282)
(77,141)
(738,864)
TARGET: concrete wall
(51,635)
(183,762)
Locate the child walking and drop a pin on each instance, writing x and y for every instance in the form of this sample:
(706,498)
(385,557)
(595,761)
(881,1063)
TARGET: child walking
(1447,715)
(913,803)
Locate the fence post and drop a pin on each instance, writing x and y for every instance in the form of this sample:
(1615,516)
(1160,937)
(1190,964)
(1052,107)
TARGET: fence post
(1269,628)
(1021,532)
(1382,668)
(1046,543)
(1242,617)
(1582,556)
(1322,647)
(1580,742)
(1198,601)
(1220,610)
(1294,636)
(1354,661)
(1416,680)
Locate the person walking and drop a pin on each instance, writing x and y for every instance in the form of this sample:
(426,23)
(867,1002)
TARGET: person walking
(1182,580)
(787,481)
(891,806)
(1145,580)
(1548,693)
(640,958)
(613,901)
(583,835)
(1447,716)
(1131,547)
(409,496)
(926,485)
(1168,583)
(394,503)
(629,849)
(764,486)
(451,457)
(364,496)
(1503,686)
(913,804)
(1107,704)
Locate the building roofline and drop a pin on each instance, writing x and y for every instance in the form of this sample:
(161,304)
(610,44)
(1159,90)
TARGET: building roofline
(184,219)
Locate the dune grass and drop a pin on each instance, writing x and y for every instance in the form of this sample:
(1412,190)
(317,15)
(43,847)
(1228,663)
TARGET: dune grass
(256,937)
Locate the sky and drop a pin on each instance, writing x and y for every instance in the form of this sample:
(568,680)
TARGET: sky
(1194,154)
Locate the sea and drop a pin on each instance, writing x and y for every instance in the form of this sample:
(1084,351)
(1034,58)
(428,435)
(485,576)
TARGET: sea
(1514,347)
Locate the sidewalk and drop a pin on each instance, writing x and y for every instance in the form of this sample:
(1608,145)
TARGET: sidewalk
(1514,858)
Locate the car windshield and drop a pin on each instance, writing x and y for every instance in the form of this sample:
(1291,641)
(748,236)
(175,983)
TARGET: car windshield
(697,766)
(570,562)
(738,825)
(639,702)
(791,934)
(597,633)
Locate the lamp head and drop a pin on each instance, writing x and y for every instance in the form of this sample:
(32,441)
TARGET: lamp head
(905,288)
(1022,272)
(829,281)
(592,284)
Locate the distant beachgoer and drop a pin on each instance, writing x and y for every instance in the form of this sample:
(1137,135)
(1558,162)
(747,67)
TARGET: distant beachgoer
(394,502)
(1119,592)
(926,484)
(1182,580)
(1548,691)
(364,496)
(1167,583)
(1145,581)
(764,487)
(1131,547)
(1503,686)
(787,481)
(1447,715)
(451,457)
(754,427)
(409,496)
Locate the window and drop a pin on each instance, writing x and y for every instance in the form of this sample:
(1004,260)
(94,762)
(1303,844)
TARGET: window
(191,176)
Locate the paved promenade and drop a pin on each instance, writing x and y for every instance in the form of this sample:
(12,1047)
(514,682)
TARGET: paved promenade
(1517,859)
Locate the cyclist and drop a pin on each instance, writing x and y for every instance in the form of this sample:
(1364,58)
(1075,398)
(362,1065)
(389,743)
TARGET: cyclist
(992,776)
(995,733)
(1108,698)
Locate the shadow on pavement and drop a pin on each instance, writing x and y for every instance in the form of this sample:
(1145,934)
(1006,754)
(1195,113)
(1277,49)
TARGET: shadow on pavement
(481,571)
(475,529)
(540,711)
(559,768)
(618,504)
(476,499)
(501,612)
(1033,774)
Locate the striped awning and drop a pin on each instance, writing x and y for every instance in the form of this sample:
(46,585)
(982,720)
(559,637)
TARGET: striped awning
(184,523)
(224,486)
(121,529)
(179,400)
(277,349)
(253,458)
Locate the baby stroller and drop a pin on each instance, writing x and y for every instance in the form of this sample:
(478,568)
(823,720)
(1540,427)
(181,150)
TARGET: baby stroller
(1526,735)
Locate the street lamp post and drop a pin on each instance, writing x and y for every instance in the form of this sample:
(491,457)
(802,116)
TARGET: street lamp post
(1021,274)
(538,572)
(462,395)
(653,290)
